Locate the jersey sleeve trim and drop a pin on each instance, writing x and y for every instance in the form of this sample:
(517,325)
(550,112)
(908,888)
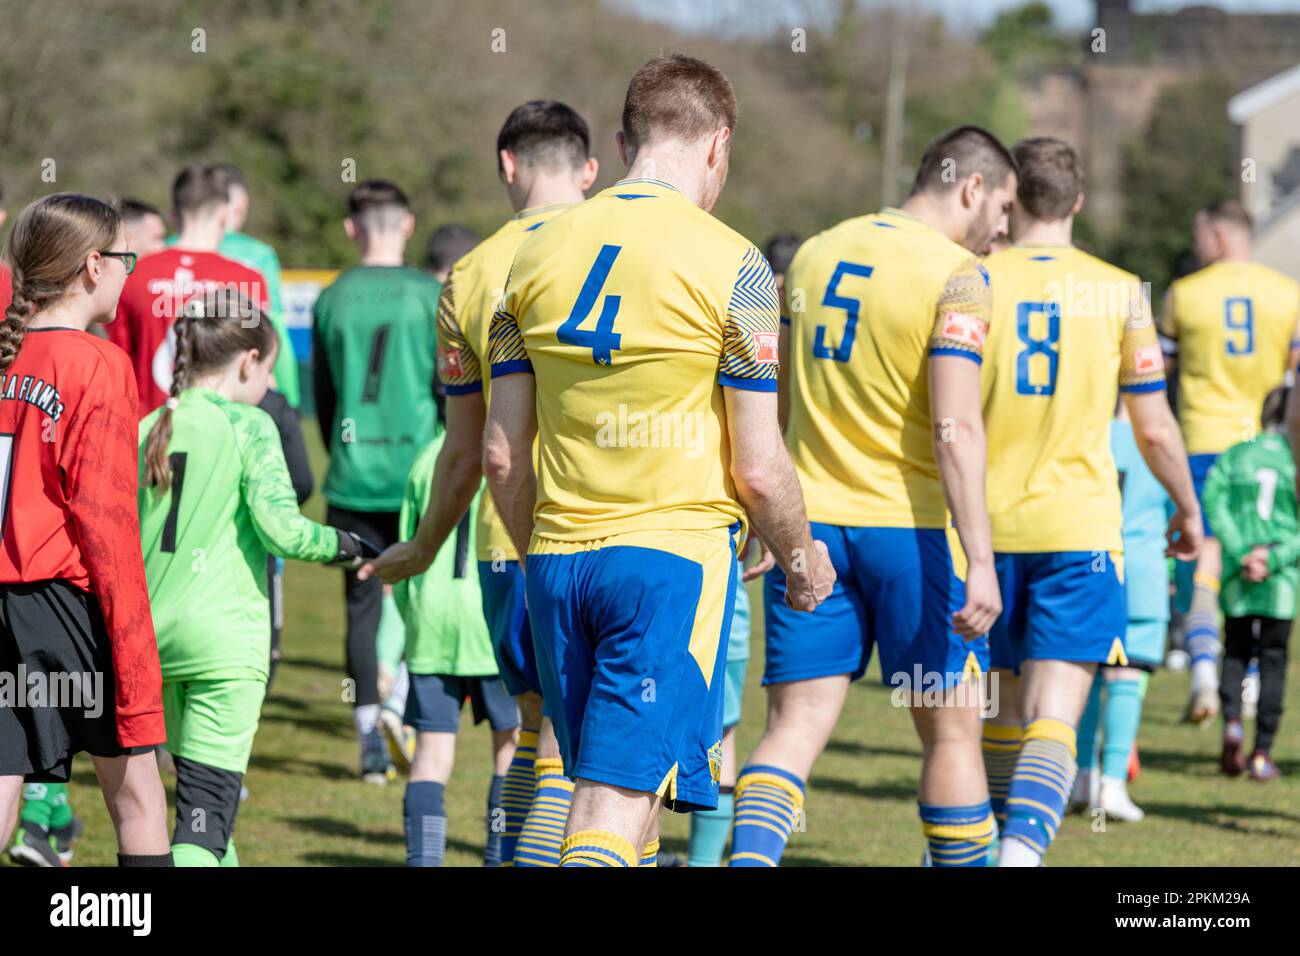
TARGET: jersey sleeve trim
(512,367)
(963,353)
(470,388)
(748,384)
(1156,386)
(751,331)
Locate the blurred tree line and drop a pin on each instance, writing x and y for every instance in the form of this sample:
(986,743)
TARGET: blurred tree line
(120,93)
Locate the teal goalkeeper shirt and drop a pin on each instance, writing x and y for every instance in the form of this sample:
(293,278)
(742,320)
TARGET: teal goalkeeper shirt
(1249,500)
(206,539)
(1146,516)
(443,608)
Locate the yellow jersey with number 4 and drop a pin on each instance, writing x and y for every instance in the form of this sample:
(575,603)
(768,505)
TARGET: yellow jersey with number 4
(1234,322)
(1069,333)
(470,295)
(633,310)
(869,301)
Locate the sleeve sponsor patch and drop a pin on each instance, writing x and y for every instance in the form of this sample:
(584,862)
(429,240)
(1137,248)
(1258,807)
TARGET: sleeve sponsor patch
(449,363)
(1147,359)
(766,347)
(965,329)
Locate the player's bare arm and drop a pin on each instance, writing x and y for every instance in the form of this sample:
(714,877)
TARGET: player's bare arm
(508,455)
(456,478)
(959,448)
(1161,444)
(766,485)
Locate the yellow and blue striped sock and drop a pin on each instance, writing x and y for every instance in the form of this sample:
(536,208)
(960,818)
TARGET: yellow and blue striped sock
(650,853)
(597,848)
(768,801)
(543,831)
(958,836)
(1203,631)
(1001,746)
(517,794)
(1041,784)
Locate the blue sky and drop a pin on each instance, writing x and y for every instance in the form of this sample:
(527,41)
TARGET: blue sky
(968,14)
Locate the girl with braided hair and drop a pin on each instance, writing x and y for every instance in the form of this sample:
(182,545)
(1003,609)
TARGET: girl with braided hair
(215,500)
(75,625)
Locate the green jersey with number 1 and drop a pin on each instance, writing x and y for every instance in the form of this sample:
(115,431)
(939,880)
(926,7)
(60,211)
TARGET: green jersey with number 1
(375,328)
(1250,500)
(207,537)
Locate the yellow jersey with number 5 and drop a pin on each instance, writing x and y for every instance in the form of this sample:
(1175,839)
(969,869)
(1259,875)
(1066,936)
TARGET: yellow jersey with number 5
(1233,322)
(633,310)
(469,297)
(869,301)
(1069,333)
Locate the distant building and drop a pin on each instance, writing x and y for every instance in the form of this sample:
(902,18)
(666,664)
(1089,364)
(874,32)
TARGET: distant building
(1106,103)
(1268,125)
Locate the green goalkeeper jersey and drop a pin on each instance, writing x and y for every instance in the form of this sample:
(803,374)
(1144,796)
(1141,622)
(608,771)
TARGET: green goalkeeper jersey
(443,607)
(1250,500)
(374,355)
(206,538)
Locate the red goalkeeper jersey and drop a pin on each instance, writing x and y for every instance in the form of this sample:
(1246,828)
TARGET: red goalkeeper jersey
(68,446)
(154,295)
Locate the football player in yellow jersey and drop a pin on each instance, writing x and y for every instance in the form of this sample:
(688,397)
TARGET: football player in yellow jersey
(1068,332)
(1233,323)
(638,339)
(544,158)
(888,317)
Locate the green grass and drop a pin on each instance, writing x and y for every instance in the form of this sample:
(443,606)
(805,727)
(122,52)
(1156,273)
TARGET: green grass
(308,806)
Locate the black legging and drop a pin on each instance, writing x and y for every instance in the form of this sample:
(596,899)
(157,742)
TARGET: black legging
(365,599)
(1244,638)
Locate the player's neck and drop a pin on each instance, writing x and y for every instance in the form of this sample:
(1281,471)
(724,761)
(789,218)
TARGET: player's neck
(667,169)
(68,313)
(1035,232)
(546,191)
(201,235)
(924,207)
(386,249)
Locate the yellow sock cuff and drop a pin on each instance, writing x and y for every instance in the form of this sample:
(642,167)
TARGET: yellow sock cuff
(1001,735)
(980,833)
(650,853)
(1202,580)
(596,848)
(551,767)
(527,739)
(1048,728)
(746,780)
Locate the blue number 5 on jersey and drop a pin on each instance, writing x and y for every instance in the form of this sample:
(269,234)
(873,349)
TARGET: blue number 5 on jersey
(832,299)
(602,340)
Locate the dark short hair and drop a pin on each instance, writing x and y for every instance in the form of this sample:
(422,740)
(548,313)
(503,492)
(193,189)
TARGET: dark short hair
(447,244)
(233,174)
(545,133)
(376,205)
(678,97)
(1229,211)
(196,187)
(780,250)
(959,153)
(133,210)
(1273,412)
(1050,177)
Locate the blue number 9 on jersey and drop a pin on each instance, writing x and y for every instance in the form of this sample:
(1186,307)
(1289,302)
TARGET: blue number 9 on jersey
(602,340)
(1239,317)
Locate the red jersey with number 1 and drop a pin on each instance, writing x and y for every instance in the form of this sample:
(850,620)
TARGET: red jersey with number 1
(154,295)
(68,450)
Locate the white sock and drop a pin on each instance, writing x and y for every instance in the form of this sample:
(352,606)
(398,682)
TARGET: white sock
(1016,852)
(1205,676)
(366,718)
(397,697)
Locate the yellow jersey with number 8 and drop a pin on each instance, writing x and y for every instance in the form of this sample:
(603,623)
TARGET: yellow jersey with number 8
(1069,333)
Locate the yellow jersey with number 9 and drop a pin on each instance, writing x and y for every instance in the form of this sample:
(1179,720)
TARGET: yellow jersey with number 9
(869,300)
(470,296)
(633,310)
(1234,322)
(1069,333)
